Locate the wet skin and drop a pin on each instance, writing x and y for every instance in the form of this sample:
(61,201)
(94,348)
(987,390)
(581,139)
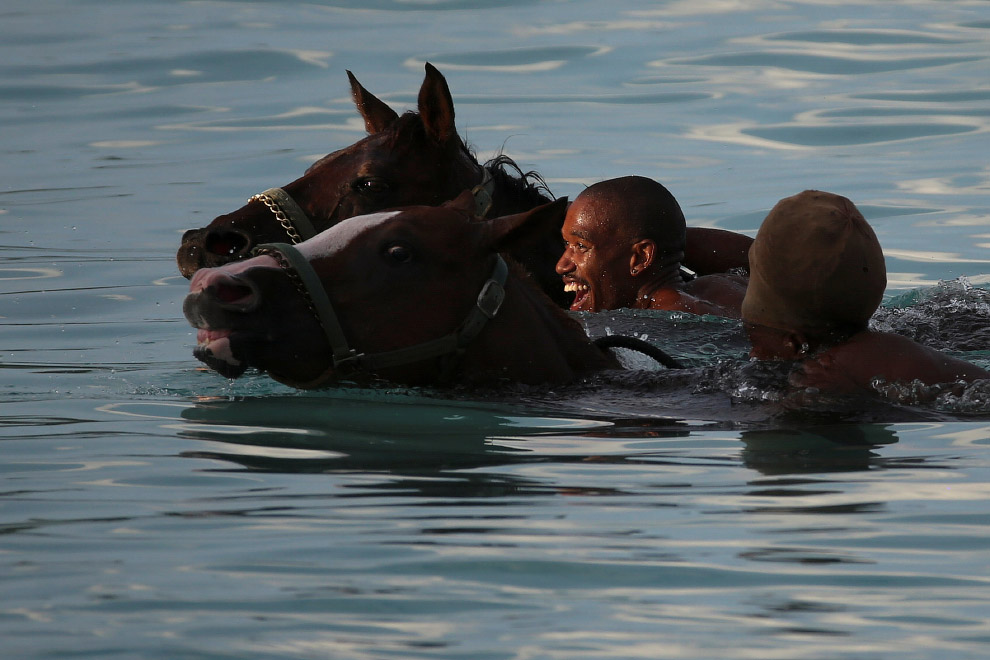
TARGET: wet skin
(592,261)
(605,268)
(845,366)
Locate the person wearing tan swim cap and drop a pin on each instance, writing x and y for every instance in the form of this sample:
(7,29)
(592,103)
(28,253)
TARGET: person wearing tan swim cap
(817,275)
(625,243)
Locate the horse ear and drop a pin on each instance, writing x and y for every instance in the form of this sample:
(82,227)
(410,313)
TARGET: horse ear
(463,202)
(436,107)
(377,115)
(512,231)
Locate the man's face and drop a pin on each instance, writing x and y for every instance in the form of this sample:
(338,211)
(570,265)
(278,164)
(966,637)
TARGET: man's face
(596,260)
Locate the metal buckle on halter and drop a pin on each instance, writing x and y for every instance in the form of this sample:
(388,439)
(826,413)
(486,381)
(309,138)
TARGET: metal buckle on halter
(484,194)
(490,298)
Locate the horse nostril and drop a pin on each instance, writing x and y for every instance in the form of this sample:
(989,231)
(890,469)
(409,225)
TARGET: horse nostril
(234,295)
(227,243)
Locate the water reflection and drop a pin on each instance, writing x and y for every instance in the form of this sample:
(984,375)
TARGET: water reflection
(376,435)
(814,449)
(438,447)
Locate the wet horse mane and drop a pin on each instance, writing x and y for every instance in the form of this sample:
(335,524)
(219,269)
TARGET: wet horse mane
(523,189)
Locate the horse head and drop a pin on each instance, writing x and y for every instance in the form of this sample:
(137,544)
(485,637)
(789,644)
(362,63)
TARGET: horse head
(415,295)
(415,158)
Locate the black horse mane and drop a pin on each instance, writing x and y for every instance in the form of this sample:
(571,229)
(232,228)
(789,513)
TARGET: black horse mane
(518,190)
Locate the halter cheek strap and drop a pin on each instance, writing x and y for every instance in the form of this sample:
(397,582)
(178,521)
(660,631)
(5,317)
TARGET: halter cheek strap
(308,282)
(349,360)
(289,214)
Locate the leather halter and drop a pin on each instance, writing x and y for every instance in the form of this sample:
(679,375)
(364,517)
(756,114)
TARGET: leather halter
(484,194)
(299,227)
(347,360)
(289,214)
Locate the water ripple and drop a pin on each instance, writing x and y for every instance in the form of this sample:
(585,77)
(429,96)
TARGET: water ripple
(861,37)
(841,135)
(198,67)
(517,60)
(834,65)
(155,509)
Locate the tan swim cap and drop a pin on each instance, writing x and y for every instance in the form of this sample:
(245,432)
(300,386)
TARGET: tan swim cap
(816,267)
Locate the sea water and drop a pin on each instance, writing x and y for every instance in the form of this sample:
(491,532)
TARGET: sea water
(152,509)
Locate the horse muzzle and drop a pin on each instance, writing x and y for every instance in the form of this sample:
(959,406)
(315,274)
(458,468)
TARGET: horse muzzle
(209,248)
(228,291)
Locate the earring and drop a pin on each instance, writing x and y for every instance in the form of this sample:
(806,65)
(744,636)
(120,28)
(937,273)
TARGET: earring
(633,271)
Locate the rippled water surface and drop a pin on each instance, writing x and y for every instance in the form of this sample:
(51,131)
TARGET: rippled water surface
(150,509)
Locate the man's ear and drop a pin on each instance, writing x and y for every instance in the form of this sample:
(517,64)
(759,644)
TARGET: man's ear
(643,252)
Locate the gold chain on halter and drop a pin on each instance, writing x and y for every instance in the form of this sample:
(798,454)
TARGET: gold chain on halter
(298,226)
(297,282)
(279,214)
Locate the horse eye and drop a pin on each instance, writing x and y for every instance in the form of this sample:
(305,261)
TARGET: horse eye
(400,254)
(371,185)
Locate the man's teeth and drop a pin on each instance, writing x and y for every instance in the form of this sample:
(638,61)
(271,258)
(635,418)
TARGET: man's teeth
(575,286)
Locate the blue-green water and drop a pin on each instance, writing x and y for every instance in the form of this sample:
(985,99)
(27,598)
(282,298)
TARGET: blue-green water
(150,509)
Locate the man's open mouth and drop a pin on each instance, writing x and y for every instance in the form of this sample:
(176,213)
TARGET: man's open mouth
(581,292)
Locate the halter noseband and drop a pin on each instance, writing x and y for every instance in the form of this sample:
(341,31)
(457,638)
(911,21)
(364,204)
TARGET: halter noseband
(298,226)
(290,215)
(348,360)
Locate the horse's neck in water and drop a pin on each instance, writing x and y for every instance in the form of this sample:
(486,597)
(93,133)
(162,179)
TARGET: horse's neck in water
(533,341)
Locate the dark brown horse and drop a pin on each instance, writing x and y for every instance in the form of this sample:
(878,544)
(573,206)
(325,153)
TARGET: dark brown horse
(416,158)
(418,295)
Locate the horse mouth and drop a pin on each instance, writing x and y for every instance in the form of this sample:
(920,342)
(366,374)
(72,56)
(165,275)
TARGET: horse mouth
(213,348)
